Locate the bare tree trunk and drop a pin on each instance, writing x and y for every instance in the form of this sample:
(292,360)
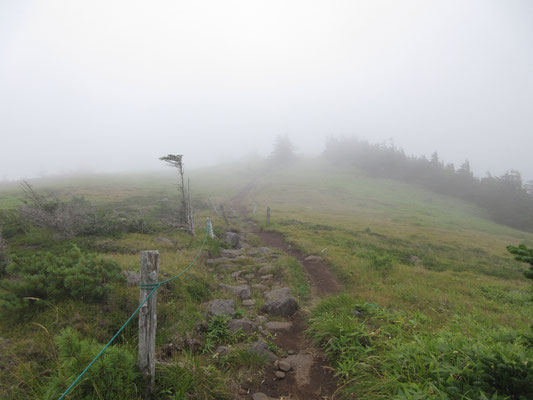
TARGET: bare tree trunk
(183,213)
(189,208)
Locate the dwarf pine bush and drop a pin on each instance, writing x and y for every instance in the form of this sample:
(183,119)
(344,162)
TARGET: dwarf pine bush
(45,276)
(113,376)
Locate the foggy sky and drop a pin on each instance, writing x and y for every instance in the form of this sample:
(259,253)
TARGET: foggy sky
(113,85)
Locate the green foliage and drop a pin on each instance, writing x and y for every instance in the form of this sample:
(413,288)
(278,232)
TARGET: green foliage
(381,263)
(12,223)
(385,354)
(197,289)
(524,254)
(113,376)
(244,358)
(297,279)
(88,277)
(218,333)
(190,378)
(498,365)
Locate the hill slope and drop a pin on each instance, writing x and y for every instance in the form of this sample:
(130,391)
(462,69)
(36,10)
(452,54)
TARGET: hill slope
(418,269)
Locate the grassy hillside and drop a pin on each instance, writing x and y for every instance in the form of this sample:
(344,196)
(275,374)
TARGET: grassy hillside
(443,253)
(416,266)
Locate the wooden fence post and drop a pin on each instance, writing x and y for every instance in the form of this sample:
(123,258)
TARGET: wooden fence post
(224,214)
(268,216)
(210,227)
(148,321)
(255,208)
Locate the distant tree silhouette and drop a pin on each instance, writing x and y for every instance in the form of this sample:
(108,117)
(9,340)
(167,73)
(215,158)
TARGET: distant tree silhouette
(283,152)
(185,213)
(506,199)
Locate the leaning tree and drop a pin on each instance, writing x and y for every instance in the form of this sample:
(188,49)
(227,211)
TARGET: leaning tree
(524,254)
(185,213)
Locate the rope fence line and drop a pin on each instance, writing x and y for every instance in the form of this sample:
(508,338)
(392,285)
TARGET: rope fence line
(153,288)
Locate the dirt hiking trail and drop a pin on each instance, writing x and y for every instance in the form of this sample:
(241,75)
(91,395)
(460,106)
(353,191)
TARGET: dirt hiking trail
(310,377)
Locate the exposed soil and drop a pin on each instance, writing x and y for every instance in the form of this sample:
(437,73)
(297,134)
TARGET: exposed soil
(316,375)
(322,280)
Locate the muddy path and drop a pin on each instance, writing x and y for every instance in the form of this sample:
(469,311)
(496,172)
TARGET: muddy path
(311,377)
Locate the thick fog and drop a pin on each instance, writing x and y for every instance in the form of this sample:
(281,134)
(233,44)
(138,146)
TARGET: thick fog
(113,85)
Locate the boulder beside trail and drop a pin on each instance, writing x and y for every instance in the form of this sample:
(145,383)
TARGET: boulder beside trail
(261,348)
(277,294)
(233,239)
(282,307)
(242,291)
(231,253)
(244,324)
(221,307)
(261,251)
(301,364)
(279,326)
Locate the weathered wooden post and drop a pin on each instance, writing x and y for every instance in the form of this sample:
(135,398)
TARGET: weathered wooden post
(215,209)
(268,216)
(210,228)
(255,208)
(224,214)
(148,321)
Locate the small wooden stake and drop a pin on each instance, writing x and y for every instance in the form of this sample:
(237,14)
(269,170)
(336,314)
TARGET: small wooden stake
(255,208)
(268,216)
(224,214)
(148,321)
(210,227)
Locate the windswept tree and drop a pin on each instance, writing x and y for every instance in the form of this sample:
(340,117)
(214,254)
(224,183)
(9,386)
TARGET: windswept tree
(283,152)
(185,213)
(523,254)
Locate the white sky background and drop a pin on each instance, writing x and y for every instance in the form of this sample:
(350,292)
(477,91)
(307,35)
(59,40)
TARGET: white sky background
(112,85)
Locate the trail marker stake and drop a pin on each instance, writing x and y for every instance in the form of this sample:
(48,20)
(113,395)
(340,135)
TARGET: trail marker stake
(148,321)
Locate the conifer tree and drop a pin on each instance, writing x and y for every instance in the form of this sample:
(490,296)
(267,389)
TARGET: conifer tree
(524,254)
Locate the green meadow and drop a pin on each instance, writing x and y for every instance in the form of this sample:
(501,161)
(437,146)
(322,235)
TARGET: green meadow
(432,305)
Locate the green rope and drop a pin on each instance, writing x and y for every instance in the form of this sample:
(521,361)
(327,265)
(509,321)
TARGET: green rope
(145,286)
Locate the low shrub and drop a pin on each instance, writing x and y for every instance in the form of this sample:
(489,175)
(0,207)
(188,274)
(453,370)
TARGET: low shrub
(190,378)
(113,376)
(497,365)
(384,354)
(45,276)
(218,333)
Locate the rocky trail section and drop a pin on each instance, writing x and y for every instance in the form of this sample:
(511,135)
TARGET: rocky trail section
(300,371)
(297,370)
